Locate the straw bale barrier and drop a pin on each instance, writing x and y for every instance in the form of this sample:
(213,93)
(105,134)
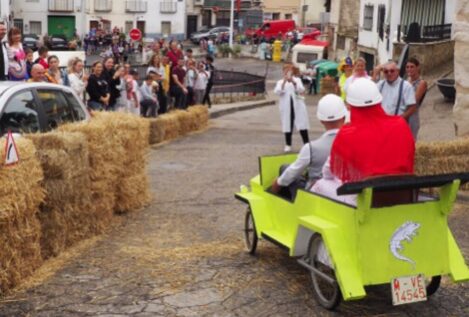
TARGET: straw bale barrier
(442,157)
(20,231)
(178,123)
(67,215)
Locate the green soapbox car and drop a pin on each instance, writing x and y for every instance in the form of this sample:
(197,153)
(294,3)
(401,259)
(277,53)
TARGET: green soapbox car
(396,234)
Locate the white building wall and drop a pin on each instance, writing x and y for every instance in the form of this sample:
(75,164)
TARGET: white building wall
(4,10)
(313,14)
(39,12)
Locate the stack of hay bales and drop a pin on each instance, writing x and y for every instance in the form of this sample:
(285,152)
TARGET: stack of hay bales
(178,123)
(103,157)
(67,215)
(328,85)
(442,157)
(20,231)
(131,134)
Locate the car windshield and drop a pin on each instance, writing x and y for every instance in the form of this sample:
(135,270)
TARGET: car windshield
(58,40)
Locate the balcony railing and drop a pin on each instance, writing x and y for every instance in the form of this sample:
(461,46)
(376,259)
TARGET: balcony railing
(61,5)
(136,6)
(168,6)
(103,5)
(428,33)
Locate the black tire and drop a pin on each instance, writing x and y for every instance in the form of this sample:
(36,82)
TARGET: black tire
(327,295)
(250,234)
(433,285)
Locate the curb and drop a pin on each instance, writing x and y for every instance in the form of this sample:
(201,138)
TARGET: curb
(462,197)
(222,112)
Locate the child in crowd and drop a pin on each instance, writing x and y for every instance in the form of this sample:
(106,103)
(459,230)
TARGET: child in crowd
(42,59)
(191,77)
(200,84)
(29,61)
(133,93)
(148,102)
(122,101)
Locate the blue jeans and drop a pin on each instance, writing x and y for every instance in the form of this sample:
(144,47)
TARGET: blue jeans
(95,105)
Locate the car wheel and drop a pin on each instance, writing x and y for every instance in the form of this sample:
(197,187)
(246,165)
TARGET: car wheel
(433,285)
(324,283)
(250,233)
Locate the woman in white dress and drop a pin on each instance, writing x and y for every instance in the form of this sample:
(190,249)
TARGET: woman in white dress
(77,78)
(292,106)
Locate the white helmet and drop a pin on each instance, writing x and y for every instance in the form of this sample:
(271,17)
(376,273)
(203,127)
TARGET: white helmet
(363,92)
(331,108)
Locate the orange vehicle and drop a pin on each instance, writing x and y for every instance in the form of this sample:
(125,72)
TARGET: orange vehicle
(271,29)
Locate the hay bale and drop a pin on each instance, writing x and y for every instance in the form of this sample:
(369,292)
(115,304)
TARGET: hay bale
(433,158)
(201,116)
(66,215)
(157,131)
(170,123)
(133,193)
(20,196)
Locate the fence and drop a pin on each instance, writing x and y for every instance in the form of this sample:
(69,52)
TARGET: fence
(427,33)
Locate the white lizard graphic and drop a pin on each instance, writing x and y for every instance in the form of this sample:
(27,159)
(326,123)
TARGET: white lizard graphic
(404,232)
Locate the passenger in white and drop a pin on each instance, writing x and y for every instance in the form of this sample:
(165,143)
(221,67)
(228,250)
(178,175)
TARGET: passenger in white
(331,112)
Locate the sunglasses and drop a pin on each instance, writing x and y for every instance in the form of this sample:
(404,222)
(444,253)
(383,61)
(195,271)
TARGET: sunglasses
(389,71)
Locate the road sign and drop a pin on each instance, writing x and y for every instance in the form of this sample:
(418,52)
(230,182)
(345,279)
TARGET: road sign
(11,152)
(135,34)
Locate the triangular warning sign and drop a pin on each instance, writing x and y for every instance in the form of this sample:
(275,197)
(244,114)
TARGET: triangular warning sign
(11,152)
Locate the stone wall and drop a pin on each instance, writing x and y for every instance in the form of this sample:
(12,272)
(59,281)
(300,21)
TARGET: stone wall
(349,18)
(431,55)
(461,67)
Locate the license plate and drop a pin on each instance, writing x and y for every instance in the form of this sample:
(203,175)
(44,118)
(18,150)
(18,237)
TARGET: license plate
(408,289)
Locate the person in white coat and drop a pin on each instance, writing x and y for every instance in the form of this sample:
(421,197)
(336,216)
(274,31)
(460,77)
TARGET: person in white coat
(292,106)
(331,112)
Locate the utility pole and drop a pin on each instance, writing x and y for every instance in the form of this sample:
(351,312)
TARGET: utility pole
(232,23)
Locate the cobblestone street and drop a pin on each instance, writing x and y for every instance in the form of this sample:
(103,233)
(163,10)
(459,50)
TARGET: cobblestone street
(184,254)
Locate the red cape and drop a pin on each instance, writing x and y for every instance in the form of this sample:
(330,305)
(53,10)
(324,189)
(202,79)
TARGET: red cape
(373,144)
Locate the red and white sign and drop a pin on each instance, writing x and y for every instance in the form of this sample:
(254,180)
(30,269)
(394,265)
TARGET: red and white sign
(409,289)
(135,34)
(11,152)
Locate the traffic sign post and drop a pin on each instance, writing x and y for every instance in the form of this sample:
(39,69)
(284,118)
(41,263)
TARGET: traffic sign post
(135,34)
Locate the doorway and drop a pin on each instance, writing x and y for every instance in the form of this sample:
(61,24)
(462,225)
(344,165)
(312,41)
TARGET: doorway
(191,25)
(141,27)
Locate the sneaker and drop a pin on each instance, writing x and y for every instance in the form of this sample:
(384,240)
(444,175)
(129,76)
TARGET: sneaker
(287,148)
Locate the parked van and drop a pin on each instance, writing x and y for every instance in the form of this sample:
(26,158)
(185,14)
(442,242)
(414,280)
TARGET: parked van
(308,51)
(271,29)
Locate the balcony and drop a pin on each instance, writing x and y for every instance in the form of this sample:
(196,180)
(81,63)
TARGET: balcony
(61,5)
(102,5)
(168,7)
(136,6)
(414,33)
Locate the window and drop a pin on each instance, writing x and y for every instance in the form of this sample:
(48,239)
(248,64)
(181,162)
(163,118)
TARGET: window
(340,45)
(305,58)
(128,26)
(77,110)
(20,114)
(18,23)
(276,16)
(381,18)
(368,17)
(288,16)
(166,28)
(35,27)
(55,107)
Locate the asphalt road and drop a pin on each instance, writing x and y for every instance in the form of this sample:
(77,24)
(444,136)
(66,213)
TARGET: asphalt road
(184,255)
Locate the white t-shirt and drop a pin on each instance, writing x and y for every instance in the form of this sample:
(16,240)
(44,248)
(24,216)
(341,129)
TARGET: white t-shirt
(201,81)
(159,71)
(190,78)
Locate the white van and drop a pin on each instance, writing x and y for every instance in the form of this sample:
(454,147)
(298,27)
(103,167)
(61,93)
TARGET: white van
(303,54)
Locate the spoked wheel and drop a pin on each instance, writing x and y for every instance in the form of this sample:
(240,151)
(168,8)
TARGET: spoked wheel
(250,233)
(325,286)
(433,285)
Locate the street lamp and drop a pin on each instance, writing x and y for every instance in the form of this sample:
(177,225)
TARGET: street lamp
(231,23)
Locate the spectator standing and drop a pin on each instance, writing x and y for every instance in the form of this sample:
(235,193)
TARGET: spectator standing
(359,71)
(149,102)
(200,83)
(420,88)
(122,101)
(346,68)
(97,88)
(112,81)
(3,54)
(17,70)
(29,61)
(177,85)
(189,57)
(77,78)
(133,93)
(191,76)
(174,54)
(54,75)
(158,69)
(37,74)
(42,59)
(211,71)
(398,94)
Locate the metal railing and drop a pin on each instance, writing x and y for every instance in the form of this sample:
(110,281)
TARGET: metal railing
(168,7)
(136,6)
(103,5)
(61,5)
(427,33)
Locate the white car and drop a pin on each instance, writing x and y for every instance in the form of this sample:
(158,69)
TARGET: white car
(38,107)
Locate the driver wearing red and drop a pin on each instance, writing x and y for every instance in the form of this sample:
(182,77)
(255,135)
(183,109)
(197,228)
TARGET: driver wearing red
(373,144)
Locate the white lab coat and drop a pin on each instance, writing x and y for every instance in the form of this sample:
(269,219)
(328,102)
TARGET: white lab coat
(289,91)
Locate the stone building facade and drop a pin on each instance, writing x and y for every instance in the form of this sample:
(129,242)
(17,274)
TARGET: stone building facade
(343,28)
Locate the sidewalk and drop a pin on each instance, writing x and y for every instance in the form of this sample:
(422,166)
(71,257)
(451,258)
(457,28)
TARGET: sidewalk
(219,110)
